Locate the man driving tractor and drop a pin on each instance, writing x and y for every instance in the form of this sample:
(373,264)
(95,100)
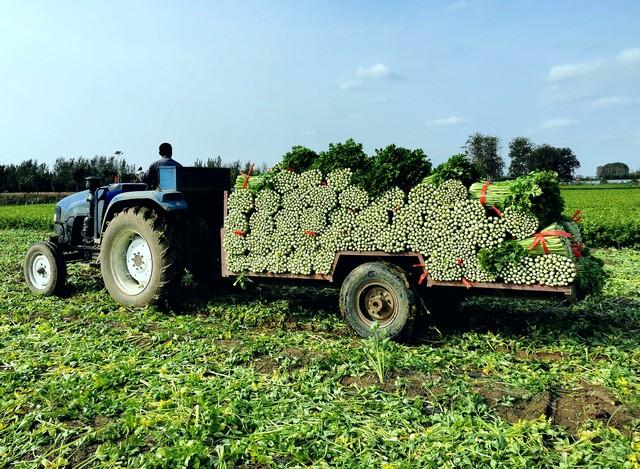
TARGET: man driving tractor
(151,176)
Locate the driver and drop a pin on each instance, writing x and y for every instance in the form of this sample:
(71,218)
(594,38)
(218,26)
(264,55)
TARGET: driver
(151,176)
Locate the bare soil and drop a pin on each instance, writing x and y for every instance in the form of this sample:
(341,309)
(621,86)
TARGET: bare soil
(567,408)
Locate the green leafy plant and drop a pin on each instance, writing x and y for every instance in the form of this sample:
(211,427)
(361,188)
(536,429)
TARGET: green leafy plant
(457,167)
(591,275)
(495,260)
(377,349)
(394,166)
(349,154)
(299,159)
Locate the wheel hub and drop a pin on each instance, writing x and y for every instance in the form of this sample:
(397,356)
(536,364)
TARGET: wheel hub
(379,303)
(41,271)
(139,264)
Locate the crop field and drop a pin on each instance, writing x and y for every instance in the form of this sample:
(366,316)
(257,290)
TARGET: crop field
(611,216)
(273,377)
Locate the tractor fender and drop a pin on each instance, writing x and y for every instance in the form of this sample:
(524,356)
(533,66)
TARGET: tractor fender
(161,201)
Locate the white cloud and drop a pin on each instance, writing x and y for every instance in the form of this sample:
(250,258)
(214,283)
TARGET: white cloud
(450,120)
(613,101)
(558,122)
(626,57)
(629,56)
(378,71)
(350,85)
(564,71)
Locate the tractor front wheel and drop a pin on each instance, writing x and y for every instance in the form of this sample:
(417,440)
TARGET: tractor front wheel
(139,258)
(44,269)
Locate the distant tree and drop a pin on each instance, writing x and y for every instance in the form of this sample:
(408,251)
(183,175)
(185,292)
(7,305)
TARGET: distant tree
(483,151)
(32,177)
(520,152)
(613,171)
(214,162)
(550,158)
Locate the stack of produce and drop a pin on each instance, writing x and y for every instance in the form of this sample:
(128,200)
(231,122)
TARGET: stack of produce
(491,232)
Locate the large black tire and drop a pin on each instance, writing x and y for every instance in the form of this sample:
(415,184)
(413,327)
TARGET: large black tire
(44,269)
(378,292)
(139,258)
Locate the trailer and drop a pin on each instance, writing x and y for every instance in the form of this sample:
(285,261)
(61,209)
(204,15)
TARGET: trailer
(143,240)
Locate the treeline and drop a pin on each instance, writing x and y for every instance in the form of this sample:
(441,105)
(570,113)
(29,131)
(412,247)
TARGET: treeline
(66,175)
(525,156)
(236,167)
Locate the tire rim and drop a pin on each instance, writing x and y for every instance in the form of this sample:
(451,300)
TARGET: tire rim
(40,272)
(376,302)
(131,262)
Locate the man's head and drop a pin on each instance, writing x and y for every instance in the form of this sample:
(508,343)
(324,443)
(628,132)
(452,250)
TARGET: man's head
(165,150)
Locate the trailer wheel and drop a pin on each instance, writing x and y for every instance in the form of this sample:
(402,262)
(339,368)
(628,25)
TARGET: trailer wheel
(378,292)
(44,269)
(139,258)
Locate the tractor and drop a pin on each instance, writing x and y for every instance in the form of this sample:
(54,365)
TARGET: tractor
(142,239)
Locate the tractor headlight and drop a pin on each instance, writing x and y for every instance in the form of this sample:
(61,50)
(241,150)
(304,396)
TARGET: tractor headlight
(57,214)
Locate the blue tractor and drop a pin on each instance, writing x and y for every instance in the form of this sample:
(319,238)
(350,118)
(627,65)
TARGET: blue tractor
(142,239)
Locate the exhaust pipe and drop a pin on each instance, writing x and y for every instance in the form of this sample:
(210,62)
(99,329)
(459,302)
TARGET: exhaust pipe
(88,226)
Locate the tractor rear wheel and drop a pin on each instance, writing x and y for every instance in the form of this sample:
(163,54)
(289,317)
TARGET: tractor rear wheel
(139,258)
(378,293)
(44,269)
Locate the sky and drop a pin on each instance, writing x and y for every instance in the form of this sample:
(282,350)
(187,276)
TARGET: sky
(248,80)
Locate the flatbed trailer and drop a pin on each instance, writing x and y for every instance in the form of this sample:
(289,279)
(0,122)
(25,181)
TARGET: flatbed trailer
(380,307)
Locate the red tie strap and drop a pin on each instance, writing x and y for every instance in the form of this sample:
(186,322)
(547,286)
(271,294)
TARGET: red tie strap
(496,209)
(464,281)
(247,176)
(576,249)
(483,192)
(424,274)
(539,238)
(577,216)
(239,232)
(310,233)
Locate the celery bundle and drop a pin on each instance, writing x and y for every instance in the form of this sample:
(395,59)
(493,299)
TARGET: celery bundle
(550,236)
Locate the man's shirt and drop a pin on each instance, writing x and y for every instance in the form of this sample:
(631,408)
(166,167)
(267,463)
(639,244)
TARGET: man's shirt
(151,176)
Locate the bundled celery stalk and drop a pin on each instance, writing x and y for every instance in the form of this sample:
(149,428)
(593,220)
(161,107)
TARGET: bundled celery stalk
(537,192)
(553,237)
(491,193)
(255,184)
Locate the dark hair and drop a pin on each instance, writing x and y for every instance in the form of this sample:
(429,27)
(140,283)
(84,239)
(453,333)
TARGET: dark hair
(166,150)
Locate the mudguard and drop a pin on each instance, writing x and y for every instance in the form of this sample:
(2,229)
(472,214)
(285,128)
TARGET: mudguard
(168,201)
